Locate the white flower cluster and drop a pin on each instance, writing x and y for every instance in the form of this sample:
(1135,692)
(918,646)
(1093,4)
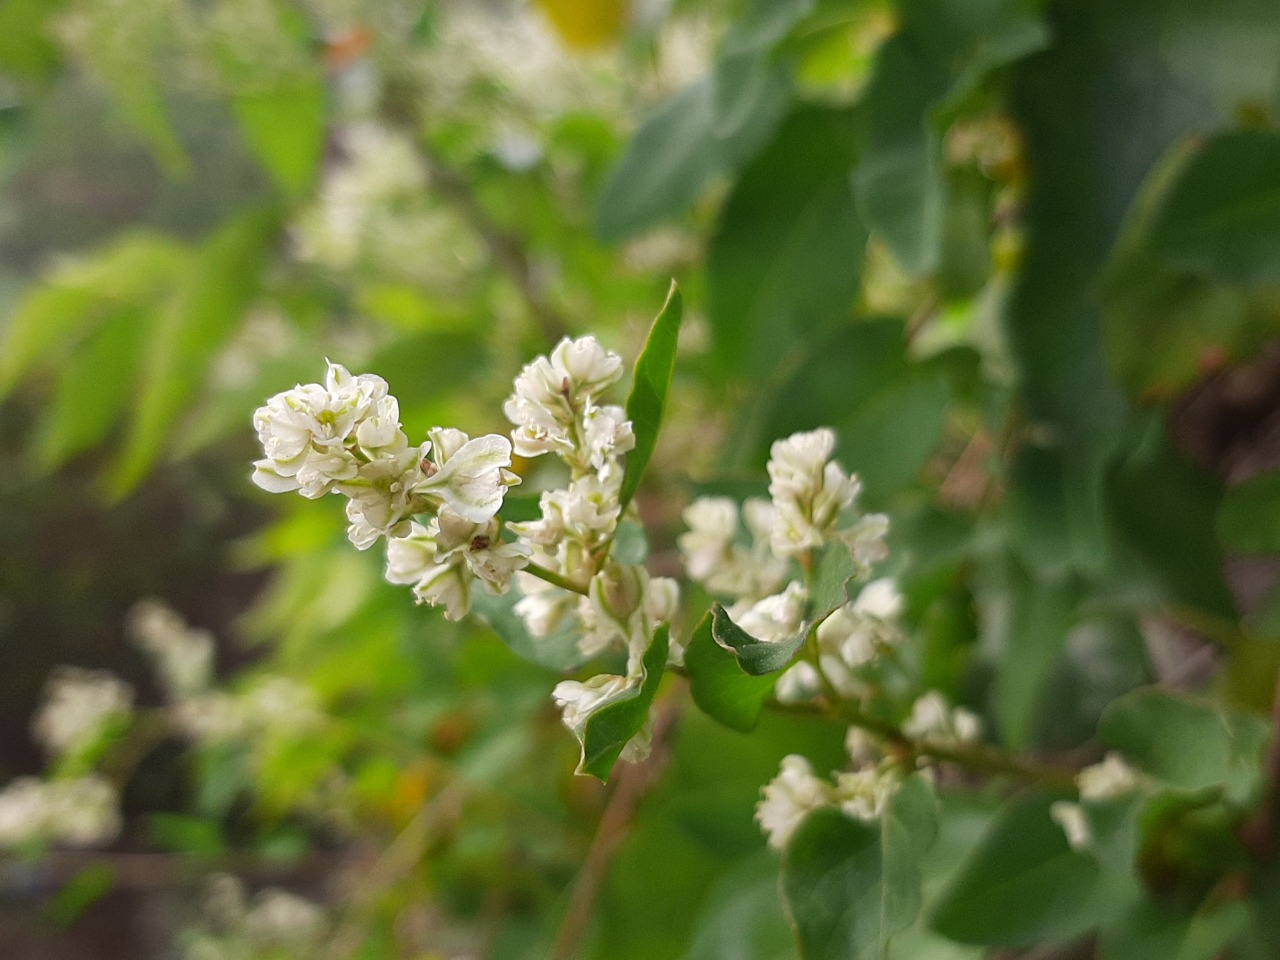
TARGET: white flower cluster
(80,812)
(344,436)
(78,706)
(273,923)
(933,719)
(752,564)
(1111,779)
(860,794)
(182,656)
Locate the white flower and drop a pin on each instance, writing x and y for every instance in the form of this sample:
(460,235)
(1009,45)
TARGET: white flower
(412,560)
(1108,780)
(472,480)
(808,489)
(724,567)
(214,717)
(278,918)
(863,794)
(553,397)
(481,548)
(776,618)
(83,812)
(579,701)
(78,704)
(543,607)
(857,631)
(586,511)
(862,749)
(182,657)
(933,719)
(789,797)
(23,807)
(280,705)
(1070,817)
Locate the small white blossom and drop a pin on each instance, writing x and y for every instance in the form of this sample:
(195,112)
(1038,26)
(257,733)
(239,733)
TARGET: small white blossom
(23,807)
(412,560)
(579,701)
(280,918)
(1108,780)
(932,718)
(1071,818)
(82,812)
(586,511)
(808,489)
(472,479)
(78,705)
(776,618)
(723,566)
(183,657)
(481,548)
(606,434)
(863,794)
(789,797)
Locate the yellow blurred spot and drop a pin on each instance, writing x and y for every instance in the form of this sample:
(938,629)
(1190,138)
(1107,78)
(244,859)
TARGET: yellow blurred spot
(586,24)
(410,792)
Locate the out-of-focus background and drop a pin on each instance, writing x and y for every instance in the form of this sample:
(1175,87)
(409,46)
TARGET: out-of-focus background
(1023,256)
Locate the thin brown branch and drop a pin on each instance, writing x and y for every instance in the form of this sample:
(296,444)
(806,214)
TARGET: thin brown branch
(633,783)
(505,248)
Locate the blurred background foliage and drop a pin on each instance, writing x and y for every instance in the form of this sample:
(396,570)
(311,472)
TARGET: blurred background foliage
(1024,257)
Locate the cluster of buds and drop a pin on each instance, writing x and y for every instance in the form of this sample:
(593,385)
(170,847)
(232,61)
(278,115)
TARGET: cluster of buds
(861,793)
(274,922)
(1108,780)
(79,812)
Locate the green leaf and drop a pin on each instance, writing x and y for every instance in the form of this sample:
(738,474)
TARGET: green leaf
(719,686)
(756,657)
(668,161)
(1222,215)
(652,383)
(1041,612)
(786,255)
(610,727)
(1249,518)
(831,576)
(200,316)
(743,917)
(82,891)
(1153,931)
(559,651)
(1186,743)
(181,833)
(1024,884)
(284,126)
(849,885)
(94,390)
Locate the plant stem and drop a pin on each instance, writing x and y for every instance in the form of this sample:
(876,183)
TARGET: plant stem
(555,579)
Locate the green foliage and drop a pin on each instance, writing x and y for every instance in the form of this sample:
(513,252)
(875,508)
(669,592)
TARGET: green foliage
(851,887)
(649,390)
(609,728)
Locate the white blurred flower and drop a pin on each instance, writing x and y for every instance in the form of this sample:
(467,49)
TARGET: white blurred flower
(714,558)
(23,807)
(83,812)
(1071,818)
(789,797)
(183,657)
(932,718)
(776,618)
(863,794)
(78,705)
(1108,780)
(280,918)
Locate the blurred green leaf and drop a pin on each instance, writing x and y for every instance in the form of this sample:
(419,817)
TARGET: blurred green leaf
(743,917)
(784,261)
(849,885)
(180,833)
(1024,884)
(200,316)
(831,576)
(1186,743)
(610,727)
(78,894)
(559,651)
(1221,216)
(1249,518)
(285,127)
(1152,931)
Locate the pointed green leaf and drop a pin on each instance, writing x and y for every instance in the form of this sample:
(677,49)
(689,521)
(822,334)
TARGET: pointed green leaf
(609,728)
(756,657)
(284,126)
(649,390)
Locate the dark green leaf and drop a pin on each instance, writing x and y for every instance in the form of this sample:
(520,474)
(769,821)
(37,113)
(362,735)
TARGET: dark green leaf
(1186,743)
(1041,612)
(756,657)
(1249,518)
(786,255)
(743,917)
(1024,884)
(1222,215)
(82,891)
(610,727)
(718,684)
(648,399)
(849,885)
